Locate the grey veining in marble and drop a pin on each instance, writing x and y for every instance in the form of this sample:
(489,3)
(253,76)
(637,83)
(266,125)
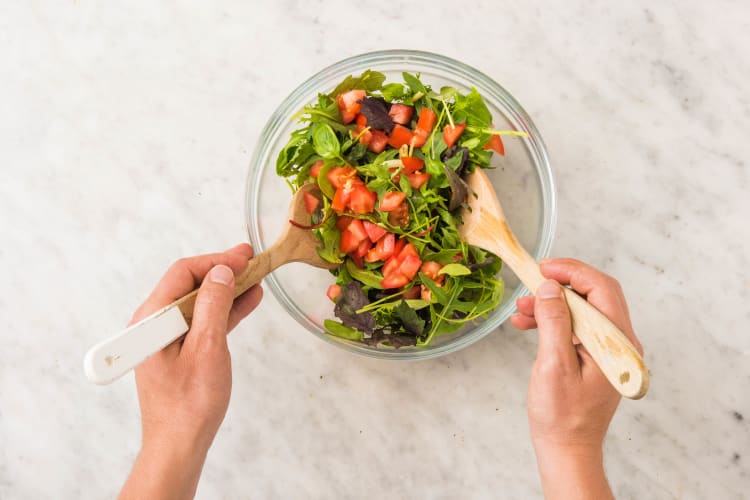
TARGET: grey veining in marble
(125,133)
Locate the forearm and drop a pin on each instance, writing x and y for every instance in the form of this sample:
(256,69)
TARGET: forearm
(572,473)
(165,471)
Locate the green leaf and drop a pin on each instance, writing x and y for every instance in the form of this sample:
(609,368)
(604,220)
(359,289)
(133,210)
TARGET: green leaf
(393,92)
(414,83)
(325,142)
(323,183)
(437,292)
(339,330)
(369,80)
(455,270)
(369,278)
(412,323)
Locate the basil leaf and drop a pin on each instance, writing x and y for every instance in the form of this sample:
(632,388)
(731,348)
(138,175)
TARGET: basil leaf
(325,142)
(454,270)
(339,330)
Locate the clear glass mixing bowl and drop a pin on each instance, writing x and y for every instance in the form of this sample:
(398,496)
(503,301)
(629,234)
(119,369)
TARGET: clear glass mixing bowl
(523,181)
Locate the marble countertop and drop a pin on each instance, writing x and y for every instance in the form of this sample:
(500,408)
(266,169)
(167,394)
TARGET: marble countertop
(126,133)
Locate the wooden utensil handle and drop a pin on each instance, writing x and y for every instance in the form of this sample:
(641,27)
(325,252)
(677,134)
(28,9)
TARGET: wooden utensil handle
(618,359)
(257,269)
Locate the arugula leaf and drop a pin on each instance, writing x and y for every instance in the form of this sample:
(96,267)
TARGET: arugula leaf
(408,316)
(454,270)
(369,278)
(325,142)
(437,292)
(339,330)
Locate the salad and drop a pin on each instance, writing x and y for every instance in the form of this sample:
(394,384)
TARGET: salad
(389,159)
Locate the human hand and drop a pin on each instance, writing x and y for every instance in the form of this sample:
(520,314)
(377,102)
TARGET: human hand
(184,389)
(570,401)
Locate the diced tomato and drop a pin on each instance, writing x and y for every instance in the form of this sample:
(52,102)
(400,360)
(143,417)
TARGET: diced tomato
(417,179)
(340,200)
(496,144)
(395,280)
(408,250)
(348,105)
(333,292)
(427,119)
(412,293)
(399,216)
(391,200)
(399,245)
(378,141)
(451,134)
(357,260)
(358,230)
(346,116)
(348,242)
(343,222)
(363,248)
(426,293)
(431,269)
(420,137)
(390,265)
(383,249)
(365,137)
(409,266)
(412,164)
(352,236)
(311,202)
(401,113)
(400,135)
(339,175)
(458,257)
(362,200)
(374,232)
(315,169)
(361,121)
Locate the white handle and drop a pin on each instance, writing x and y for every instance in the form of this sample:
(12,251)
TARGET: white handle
(115,356)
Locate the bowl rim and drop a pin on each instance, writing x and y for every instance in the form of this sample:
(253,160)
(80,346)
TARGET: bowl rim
(458,68)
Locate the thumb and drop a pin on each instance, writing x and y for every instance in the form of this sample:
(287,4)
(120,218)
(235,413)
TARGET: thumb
(554,326)
(212,307)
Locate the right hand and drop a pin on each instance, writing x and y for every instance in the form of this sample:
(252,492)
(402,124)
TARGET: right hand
(570,401)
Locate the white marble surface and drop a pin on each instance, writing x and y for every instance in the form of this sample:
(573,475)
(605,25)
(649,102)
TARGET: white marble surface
(125,134)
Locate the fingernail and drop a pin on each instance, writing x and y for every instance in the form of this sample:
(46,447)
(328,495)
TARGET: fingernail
(550,289)
(221,274)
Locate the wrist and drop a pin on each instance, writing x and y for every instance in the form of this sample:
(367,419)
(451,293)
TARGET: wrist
(572,470)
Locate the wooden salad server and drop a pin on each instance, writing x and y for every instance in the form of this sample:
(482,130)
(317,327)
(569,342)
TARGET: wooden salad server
(484,225)
(113,357)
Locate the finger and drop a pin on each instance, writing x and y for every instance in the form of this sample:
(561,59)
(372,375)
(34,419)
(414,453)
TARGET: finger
(554,326)
(600,290)
(186,274)
(523,322)
(244,305)
(211,311)
(243,249)
(525,305)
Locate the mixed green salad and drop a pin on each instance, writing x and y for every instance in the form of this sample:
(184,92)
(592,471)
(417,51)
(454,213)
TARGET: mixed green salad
(389,159)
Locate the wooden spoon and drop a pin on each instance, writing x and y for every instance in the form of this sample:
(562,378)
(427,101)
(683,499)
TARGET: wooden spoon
(484,225)
(116,355)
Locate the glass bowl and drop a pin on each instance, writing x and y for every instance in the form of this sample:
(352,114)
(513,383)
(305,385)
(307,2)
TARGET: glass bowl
(523,181)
